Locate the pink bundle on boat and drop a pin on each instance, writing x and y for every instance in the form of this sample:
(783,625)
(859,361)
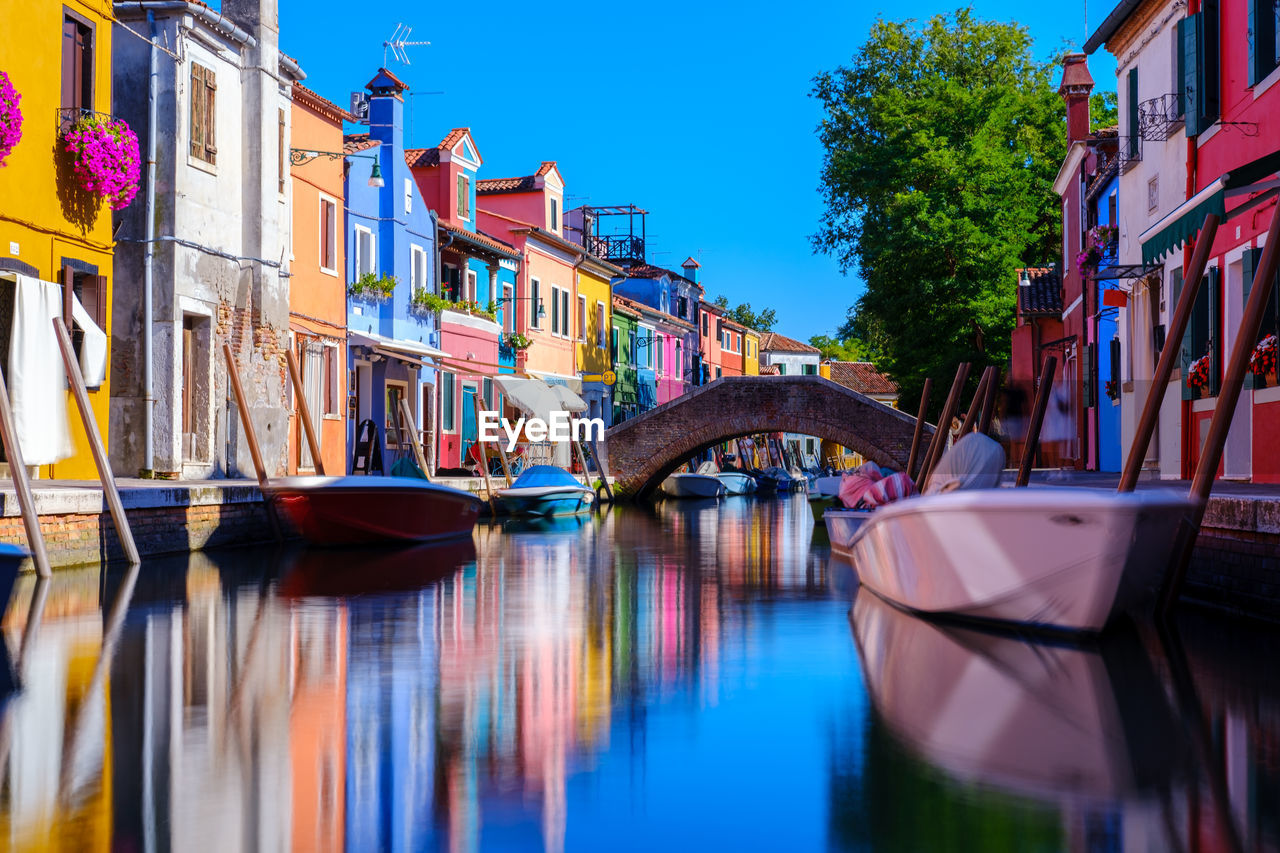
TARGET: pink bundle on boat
(895,487)
(855,484)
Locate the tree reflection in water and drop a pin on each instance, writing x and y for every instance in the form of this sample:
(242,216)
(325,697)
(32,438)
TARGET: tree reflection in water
(679,676)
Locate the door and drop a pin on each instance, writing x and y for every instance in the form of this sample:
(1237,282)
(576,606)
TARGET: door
(468,428)
(396,392)
(312,353)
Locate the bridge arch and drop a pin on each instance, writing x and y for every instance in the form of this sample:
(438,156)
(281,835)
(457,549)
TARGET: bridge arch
(644,450)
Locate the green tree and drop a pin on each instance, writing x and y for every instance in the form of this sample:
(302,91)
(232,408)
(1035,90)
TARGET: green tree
(1104,111)
(762,322)
(847,348)
(941,143)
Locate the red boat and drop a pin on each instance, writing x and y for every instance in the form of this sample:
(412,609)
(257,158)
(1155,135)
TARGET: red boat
(372,510)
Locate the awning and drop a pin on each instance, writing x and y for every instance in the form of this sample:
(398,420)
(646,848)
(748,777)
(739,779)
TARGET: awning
(534,397)
(573,383)
(1185,221)
(412,351)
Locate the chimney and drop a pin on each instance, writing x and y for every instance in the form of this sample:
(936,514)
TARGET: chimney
(1077,83)
(690,267)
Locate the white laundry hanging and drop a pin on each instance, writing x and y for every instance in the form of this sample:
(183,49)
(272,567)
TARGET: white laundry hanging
(37,387)
(93,347)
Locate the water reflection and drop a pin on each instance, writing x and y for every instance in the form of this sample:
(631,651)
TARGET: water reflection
(616,682)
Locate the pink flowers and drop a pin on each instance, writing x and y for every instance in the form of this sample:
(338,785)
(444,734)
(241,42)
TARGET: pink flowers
(105,157)
(10,117)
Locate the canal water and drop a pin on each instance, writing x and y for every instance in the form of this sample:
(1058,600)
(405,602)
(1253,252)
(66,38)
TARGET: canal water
(696,676)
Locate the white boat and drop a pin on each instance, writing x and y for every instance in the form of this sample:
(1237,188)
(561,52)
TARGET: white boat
(545,490)
(1045,720)
(1063,558)
(693,486)
(843,525)
(736,483)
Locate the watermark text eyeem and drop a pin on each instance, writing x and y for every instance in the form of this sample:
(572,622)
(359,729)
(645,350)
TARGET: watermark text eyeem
(562,427)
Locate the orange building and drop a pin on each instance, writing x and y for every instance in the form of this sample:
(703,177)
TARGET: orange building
(318,286)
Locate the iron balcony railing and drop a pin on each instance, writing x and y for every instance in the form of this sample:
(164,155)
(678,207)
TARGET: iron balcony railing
(1159,117)
(617,247)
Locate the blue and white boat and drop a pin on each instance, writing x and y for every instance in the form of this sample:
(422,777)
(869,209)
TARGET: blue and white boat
(545,490)
(11,557)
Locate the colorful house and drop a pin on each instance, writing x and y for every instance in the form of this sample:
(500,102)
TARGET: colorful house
(391,263)
(672,301)
(1038,325)
(595,331)
(318,282)
(733,341)
(626,387)
(477,280)
(751,353)
(204,261)
(710,336)
(789,356)
(1191,125)
(52,229)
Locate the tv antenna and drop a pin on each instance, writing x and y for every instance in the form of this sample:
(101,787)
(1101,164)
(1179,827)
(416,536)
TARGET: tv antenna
(398,42)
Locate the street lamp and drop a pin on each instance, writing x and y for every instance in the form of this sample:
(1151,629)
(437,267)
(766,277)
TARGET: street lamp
(299,156)
(542,311)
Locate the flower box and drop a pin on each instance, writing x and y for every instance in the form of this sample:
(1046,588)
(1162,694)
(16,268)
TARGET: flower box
(104,157)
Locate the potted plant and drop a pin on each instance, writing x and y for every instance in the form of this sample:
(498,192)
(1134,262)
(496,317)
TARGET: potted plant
(516,341)
(1099,242)
(1113,389)
(104,157)
(1198,376)
(10,117)
(371,288)
(426,302)
(1262,363)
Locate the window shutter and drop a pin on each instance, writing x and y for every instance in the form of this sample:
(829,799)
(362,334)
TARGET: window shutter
(555,311)
(1134,135)
(210,115)
(1251,36)
(1214,338)
(1187,28)
(67,278)
(1185,348)
(1249,262)
(197,111)
(1090,375)
(1115,363)
(98,310)
(1210,63)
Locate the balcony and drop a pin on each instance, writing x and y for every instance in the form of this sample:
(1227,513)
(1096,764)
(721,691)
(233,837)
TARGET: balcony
(1160,117)
(1129,152)
(623,247)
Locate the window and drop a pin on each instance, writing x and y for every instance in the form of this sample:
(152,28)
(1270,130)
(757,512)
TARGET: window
(464,197)
(614,343)
(657,346)
(718,373)
(582,318)
(632,353)
(600,325)
(447,402)
(682,306)
(417,269)
(564,313)
(1134,126)
(395,394)
(332,380)
(508,309)
(809,369)
(451,282)
(1271,316)
(553,222)
(535,302)
(486,387)
(328,235)
(1264,39)
(1202,337)
(471,286)
(1198,37)
(77,63)
(555,310)
(280,152)
(364,252)
(204,90)
(704,324)
(408,195)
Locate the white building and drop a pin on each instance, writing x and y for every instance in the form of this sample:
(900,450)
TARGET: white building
(211,241)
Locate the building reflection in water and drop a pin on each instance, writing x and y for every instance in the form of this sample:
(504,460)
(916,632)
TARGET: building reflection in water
(526,689)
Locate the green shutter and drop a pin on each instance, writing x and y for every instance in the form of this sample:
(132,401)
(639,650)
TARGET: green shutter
(1249,262)
(1186,347)
(1213,329)
(1134,134)
(1188,28)
(1210,64)
(1179,81)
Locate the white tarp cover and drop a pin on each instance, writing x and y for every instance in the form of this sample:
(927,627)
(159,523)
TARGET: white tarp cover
(534,397)
(569,401)
(973,462)
(93,348)
(415,350)
(37,388)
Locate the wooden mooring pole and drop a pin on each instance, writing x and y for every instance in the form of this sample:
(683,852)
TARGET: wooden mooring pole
(944,424)
(251,435)
(919,430)
(22,484)
(979,400)
(1032,445)
(72,368)
(304,411)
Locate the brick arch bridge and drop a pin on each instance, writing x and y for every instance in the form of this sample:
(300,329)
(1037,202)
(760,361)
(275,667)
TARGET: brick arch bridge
(645,449)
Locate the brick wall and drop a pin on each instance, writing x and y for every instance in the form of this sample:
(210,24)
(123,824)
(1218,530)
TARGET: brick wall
(77,538)
(644,450)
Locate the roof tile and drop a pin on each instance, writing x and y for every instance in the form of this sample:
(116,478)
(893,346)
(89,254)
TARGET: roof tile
(862,376)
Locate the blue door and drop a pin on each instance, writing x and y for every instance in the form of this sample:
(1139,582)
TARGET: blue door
(469,426)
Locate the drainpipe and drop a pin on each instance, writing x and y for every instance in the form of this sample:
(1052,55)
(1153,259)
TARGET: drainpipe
(149,253)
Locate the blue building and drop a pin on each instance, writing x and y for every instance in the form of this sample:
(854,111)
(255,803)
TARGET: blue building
(392,254)
(1103,203)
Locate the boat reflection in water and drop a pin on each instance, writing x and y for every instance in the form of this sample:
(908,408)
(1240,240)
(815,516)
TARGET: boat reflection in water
(1045,721)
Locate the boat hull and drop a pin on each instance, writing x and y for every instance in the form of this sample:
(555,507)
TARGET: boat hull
(692,486)
(334,511)
(11,557)
(545,501)
(1066,559)
(736,484)
(843,525)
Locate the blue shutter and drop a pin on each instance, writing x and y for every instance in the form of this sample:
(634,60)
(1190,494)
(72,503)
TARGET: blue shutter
(1213,330)
(1187,29)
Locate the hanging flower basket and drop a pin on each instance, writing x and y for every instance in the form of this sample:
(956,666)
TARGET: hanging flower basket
(1099,242)
(371,288)
(105,157)
(10,117)
(1198,376)
(1263,362)
(1113,389)
(516,341)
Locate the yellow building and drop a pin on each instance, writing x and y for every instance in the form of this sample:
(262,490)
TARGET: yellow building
(58,58)
(751,354)
(594,331)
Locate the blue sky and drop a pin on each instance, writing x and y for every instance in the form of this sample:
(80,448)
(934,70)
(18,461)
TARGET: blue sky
(697,112)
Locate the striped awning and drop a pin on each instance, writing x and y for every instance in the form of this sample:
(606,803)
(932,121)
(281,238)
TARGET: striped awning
(1185,221)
